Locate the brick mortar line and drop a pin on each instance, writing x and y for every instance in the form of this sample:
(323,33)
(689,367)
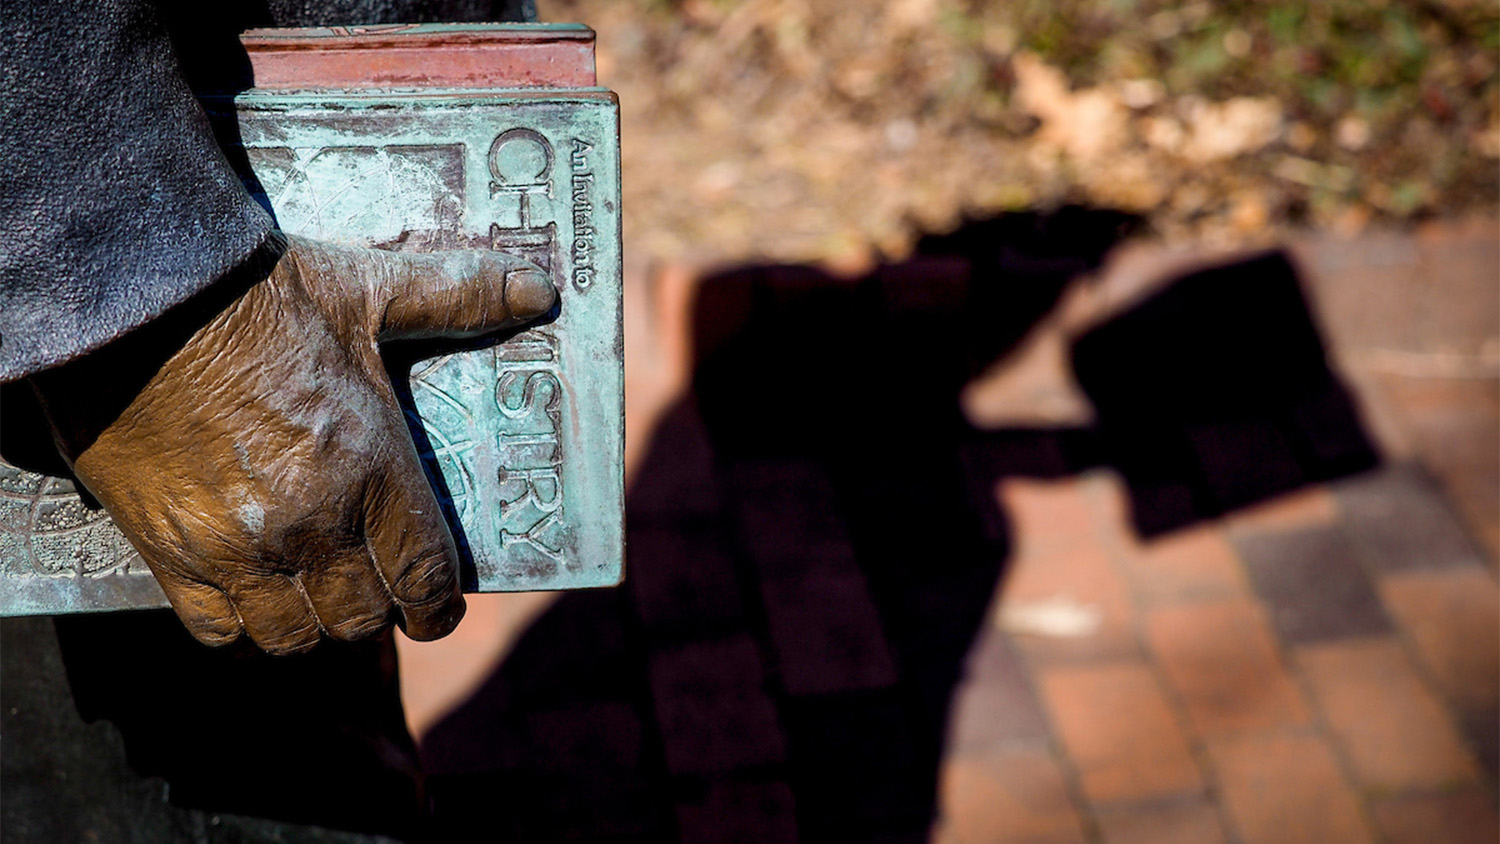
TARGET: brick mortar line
(1213,786)
(1402,635)
(1363,794)
(1094,485)
(1071,775)
(1214,791)
(1318,726)
(1117,552)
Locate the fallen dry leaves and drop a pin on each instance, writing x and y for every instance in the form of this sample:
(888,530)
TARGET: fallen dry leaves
(812,130)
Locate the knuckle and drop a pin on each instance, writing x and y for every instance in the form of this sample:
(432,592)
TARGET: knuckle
(429,578)
(297,641)
(205,612)
(423,624)
(359,627)
(277,618)
(215,634)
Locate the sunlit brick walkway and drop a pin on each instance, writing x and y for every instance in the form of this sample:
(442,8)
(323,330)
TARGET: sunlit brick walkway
(1270,679)
(1321,669)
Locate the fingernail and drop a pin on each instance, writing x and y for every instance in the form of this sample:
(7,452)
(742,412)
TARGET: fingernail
(529,293)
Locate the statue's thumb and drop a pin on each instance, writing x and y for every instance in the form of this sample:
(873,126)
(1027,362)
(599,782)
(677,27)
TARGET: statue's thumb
(460,294)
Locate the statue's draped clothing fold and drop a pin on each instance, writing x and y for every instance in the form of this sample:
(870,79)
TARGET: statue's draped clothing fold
(116,201)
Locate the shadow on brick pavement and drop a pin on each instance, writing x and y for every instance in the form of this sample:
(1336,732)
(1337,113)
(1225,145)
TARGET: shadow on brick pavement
(814,543)
(815,538)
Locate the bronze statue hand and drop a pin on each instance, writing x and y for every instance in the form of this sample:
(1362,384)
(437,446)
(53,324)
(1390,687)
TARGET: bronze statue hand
(257,457)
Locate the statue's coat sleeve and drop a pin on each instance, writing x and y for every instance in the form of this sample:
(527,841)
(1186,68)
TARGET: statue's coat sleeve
(116,202)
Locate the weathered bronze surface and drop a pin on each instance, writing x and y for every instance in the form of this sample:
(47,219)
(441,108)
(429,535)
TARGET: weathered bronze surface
(527,435)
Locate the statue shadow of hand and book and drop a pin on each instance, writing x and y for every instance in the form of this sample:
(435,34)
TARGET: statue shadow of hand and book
(814,542)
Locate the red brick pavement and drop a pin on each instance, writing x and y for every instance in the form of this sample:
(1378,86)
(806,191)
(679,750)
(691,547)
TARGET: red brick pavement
(1365,712)
(1322,668)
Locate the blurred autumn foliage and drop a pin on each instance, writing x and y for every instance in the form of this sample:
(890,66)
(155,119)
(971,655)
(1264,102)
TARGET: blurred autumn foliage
(814,129)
